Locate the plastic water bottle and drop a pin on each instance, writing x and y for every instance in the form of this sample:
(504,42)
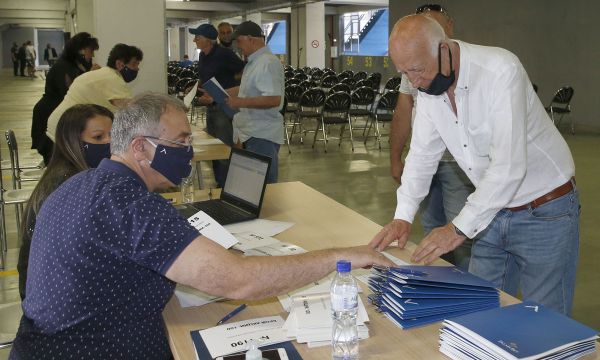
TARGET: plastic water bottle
(253,352)
(344,307)
(187,189)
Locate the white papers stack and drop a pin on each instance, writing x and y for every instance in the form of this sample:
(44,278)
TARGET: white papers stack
(520,331)
(310,320)
(188,296)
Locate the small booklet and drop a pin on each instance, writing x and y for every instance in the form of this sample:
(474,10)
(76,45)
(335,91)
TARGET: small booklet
(219,95)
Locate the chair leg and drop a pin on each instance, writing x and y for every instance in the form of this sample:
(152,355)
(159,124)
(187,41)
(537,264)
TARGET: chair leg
(351,136)
(377,133)
(325,135)
(287,136)
(316,132)
(3,241)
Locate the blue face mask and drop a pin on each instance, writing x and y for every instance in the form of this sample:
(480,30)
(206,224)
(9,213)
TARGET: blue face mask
(174,163)
(128,74)
(440,82)
(94,153)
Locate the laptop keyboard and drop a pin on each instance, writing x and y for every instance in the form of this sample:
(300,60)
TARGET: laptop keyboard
(222,213)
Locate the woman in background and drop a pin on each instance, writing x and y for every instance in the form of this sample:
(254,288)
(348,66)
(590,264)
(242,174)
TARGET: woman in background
(75,60)
(82,141)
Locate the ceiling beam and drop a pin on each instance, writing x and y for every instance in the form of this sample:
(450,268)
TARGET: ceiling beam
(221,6)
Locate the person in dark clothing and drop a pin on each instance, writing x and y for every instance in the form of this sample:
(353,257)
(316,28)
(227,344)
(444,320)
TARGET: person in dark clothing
(22,56)
(74,61)
(50,55)
(82,141)
(14,54)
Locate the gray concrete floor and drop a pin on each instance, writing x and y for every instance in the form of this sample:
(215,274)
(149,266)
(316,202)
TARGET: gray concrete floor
(359,180)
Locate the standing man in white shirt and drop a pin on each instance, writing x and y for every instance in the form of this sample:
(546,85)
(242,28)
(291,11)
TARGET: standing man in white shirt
(478,102)
(450,187)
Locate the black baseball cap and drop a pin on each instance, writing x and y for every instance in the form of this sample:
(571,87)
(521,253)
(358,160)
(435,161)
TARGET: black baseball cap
(247,28)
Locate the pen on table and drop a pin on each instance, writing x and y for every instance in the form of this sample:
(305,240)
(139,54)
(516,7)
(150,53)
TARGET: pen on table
(233,313)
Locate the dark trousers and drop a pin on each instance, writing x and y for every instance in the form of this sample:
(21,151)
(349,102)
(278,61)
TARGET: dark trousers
(22,67)
(16,67)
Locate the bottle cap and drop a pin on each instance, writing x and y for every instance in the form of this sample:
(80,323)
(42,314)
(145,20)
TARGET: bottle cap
(253,352)
(344,266)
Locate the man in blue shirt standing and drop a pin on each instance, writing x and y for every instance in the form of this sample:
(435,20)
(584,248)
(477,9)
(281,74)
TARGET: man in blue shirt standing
(222,64)
(107,251)
(186,61)
(259,124)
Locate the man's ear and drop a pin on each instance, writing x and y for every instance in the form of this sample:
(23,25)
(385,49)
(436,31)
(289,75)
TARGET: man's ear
(119,65)
(138,149)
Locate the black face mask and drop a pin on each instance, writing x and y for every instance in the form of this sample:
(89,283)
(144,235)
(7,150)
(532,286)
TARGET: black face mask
(87,64)
(440,82)
(128,74)
(226,43)
(94,153)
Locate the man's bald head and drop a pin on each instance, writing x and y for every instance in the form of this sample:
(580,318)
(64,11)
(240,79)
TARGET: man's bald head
(414,37)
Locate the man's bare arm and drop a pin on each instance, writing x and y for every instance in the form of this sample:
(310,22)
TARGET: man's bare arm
(208,267)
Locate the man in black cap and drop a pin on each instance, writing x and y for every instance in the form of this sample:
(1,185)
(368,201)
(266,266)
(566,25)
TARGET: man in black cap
(258,126)
(222,64)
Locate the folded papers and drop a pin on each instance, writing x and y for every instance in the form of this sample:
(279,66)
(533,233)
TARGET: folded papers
(412,296)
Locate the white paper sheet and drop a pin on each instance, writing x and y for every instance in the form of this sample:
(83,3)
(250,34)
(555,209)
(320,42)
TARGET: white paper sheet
(249,240)
(278,249)
(189,296)
(189,97)
(210,228)
(233,337)
(260,226)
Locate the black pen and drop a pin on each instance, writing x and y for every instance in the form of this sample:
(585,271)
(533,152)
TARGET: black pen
(235,311)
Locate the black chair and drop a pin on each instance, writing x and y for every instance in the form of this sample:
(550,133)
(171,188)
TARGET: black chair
(384,112)
(309,107)
(362,106)
(360,75)
(348,81)
(301,76)
(341,87)
(292,98)
(329,81)
(317,74)
(365,82)
(346,74)
(335,112)
(561,104)
(375,79)
(292,81)
(392,84)
(308,84)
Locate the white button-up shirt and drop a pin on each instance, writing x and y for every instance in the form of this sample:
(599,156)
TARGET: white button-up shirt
(501,137)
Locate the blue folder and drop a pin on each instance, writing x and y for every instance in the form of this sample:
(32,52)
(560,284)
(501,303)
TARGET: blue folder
(219,96)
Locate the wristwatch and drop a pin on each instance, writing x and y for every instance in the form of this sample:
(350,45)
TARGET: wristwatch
(458,232)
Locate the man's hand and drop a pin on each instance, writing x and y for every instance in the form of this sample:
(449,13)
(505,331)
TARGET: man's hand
(397,167)
(205,99)
(365,256)
(439,241)
(396,230)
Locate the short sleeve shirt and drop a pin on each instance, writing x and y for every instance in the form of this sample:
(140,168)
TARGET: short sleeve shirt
(96,286)
(94,87)
(263,76)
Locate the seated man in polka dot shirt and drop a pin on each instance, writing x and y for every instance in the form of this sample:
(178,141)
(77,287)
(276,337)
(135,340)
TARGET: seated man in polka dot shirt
(107,251)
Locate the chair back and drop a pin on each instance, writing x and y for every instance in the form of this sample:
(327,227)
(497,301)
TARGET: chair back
(293,93)
(341,87)
(313,98)
(317,74)
(375,78)
(393,83)
(361,75)
(364,82)
(363,96)
(388,101)
(301,76)
(308,84)
(337,102)
(348,81)
(292,81)
(13,151)
(346,74)
(563,96)
(329,81)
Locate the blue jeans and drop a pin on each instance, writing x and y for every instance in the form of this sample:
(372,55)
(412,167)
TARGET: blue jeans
(534,249)
(218,124)
(448,194)
(267,148)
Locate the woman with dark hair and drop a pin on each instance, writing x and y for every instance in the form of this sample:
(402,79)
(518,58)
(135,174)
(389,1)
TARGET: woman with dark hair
(74,61)
(106,87)
(82,141)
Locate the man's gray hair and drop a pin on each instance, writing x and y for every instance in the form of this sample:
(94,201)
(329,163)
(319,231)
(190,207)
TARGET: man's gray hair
(140,117)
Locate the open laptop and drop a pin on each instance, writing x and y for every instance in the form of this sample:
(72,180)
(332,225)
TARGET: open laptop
(241,198)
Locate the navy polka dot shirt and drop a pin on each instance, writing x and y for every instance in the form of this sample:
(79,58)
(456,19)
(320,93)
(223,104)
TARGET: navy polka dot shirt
(96,286)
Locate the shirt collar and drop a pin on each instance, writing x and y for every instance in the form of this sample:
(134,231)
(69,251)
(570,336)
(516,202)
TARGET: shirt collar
(121,169)
(462,84)
(263,50)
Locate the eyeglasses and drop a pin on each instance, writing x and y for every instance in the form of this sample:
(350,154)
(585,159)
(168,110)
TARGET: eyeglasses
(187,145)
(431,7)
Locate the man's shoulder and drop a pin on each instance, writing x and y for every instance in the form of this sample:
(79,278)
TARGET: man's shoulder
(487,55)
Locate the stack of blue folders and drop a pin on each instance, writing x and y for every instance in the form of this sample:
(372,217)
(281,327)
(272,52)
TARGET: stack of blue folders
(417,295)
(521,331)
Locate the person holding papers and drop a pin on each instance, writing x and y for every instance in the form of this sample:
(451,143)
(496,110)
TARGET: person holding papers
(478,103)
(258,126)
(107,251)
(221,63)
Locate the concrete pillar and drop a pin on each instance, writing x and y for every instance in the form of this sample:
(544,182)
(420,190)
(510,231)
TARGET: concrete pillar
(315,34)
(255,17)
(174,43)
(135,22)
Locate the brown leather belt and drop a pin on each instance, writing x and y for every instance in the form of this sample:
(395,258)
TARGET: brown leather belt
(554,194)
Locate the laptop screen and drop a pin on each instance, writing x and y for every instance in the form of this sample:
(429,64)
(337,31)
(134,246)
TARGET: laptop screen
(246,177)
